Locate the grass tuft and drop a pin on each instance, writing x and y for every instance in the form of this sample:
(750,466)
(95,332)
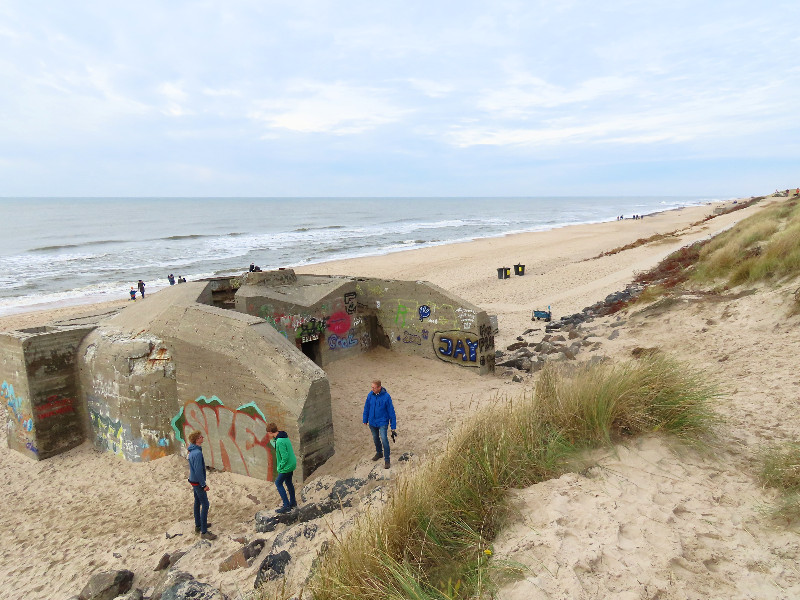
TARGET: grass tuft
(780,469)
(433,538)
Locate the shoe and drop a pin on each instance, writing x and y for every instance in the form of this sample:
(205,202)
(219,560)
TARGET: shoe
(282,510)
(377,456)
(386,465)
(293,505)
(197,529)
(208,536)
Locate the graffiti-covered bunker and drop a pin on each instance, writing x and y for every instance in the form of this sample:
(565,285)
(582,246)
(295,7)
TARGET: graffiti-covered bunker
(224,356)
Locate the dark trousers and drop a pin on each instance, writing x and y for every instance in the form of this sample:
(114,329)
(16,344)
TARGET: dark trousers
(200,508)
(379,436)
(286,479)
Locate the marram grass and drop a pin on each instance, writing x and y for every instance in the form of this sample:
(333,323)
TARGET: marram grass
(780,469)
(433,538)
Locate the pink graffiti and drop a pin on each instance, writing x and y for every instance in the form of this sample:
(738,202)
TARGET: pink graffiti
(339,323)
(235,440)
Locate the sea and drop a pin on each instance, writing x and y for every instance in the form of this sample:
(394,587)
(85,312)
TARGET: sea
(62,251)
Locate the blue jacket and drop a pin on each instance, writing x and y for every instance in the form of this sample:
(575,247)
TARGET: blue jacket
(378,409)
(197,465)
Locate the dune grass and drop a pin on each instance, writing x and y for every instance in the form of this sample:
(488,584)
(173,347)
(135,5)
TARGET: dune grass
(433,538)
(780,469)
(763,247)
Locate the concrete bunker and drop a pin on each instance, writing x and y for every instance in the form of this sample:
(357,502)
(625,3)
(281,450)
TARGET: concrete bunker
(225,356)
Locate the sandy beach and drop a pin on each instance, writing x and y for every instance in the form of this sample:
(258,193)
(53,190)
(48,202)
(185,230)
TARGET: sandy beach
(650,521)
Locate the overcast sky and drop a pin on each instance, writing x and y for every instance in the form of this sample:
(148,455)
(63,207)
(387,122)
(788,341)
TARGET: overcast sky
(406,98)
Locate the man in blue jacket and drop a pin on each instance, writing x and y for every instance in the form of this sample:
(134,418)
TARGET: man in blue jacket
(379,414)
(197,477)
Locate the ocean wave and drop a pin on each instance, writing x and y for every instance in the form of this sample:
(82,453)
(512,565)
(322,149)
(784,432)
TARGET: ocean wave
(68,246)
(191,236)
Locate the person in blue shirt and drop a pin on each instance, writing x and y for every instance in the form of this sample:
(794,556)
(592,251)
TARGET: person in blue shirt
(197,477)
(379,415)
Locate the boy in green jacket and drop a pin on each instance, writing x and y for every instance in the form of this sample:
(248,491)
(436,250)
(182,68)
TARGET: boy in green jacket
(286,466)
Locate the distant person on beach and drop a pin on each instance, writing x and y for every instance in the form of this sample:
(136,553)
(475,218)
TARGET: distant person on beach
(378,415)
(181,279)
(171,279)
(252,267)
(133,294)
(141,288)
(197,477)
(287,463)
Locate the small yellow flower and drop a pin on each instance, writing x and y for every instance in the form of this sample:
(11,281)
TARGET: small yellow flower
(487,552)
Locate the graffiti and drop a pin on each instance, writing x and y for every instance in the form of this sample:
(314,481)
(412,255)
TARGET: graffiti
(339,323)
(236,440)
(109,434)
(312,327)
(309,338)
(350,303)
(455,347)
(20,420)
(485,338)
(488,360)
(377,303)
(425,334)
(402,310)
(424,312)
(334,341)
(366,341)
(467,317)
(410,338)
(54,405)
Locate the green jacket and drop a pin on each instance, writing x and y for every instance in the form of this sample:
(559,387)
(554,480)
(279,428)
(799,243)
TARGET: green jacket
(284,453)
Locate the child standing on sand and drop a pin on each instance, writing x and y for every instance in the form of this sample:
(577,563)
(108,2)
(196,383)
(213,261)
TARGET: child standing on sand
(133,294)
(287,463)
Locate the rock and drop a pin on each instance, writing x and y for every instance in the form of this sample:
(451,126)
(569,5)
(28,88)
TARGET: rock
(523,352)
(575,347)
(170,579)
(545,348)
(573,334)
(525,364)
(537,366)
(405,456)
(107,585)
(243,557)
(499,353)
(618,324)
(586,343)
(559,338)
(614,334)
(135,594)
(175,557)
(272,567)
(519,338)
(516,378)
(287,539)
(528,331)
(163,563)
(192,590)
(516,346)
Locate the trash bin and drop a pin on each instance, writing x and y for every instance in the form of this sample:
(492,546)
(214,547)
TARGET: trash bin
(519,269)
(503,272)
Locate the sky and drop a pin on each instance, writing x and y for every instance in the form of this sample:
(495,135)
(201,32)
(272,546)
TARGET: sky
(399,98)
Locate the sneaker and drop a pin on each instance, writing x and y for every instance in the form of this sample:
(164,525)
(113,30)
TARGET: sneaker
(386,465)
(377,456)
(197,529)
(293,505)
(282,510)
(208,536)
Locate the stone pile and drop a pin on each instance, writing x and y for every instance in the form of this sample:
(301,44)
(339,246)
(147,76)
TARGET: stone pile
(564,339)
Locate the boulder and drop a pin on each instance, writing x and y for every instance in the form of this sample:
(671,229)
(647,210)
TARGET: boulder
(192,590)
(243,557)
(525,364)
(516,346)
(170,579)
(107,585)
(614,334)
(134,594)
(573,334)
(272,567)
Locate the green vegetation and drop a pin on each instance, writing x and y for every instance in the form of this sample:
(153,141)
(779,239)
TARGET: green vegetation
(763,247)
(433,539)
(780,469)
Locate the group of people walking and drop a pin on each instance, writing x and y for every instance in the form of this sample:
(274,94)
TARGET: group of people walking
(378,415)
(140,286)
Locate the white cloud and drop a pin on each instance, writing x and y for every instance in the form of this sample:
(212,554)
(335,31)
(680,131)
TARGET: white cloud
(335,108)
